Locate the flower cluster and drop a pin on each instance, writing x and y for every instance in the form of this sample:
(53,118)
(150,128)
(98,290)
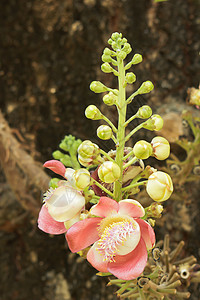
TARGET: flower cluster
(95,205)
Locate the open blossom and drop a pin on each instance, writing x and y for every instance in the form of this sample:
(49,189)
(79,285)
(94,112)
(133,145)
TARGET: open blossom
(62,206)
(119,238)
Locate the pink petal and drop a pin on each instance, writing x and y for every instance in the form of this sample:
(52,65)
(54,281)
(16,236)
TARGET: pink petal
(82,234)
(47,224)
(105,207)
(96,259)
(131,208)
(130,266)
(56,166)
(147,233)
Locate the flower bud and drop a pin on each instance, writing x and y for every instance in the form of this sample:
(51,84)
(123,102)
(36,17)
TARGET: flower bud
(130,77)
(89,195)
(146,87)
(87,149)
(110,99)
(106,58)
(115,36)
(144,112)
(109,172)
(104,132)
(106,68)
(107,51)
(81,178)
(159,186)
(142,149)
(161,147)
(121,54)
(127,48)
(92,112)
(97,87)
(154,123)
(155,210)
(137,58)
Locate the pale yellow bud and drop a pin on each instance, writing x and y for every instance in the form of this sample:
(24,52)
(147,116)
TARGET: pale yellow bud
(81,178)
(142,149)
(159,186)
(104,132)
(161,147)
(109,172)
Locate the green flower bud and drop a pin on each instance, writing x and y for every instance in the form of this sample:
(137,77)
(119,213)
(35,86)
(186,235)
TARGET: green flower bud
(98,87)
(161,148)
(115,36)
(137,58)
(144,112)
(92,112)
(130,77)
(146,87)
(104,132)
(110,99)
(81,178)
(110,41)
(88,195)
(154,123)
(159,186)
(109,172)
(122,54)
(127,48)
(142,149)
(106,58)
(87,149)
(107,51)
(106,68)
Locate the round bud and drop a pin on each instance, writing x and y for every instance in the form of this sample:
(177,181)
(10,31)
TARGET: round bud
(110,99)
(161,148)
(137,58)
(154,123)
(106,58)
(121,54)
(110,42)
(158,122)
(87,149)
(92,112)
(127,48)
(81,178)
(144,112)
(159,186)
(107,51)
(104,132)
(109,172)
(130,77)
(115,36)
(142,149)
(97,87)
(146,87)
(106,68)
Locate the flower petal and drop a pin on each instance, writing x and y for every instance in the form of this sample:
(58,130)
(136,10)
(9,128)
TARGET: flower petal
(82,234)
(104,207)
(96,259)
(131,208)
(130,266)
(56,166)
(47,224)
(147,233)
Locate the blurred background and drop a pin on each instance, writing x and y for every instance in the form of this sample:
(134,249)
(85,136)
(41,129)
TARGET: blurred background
(50,52)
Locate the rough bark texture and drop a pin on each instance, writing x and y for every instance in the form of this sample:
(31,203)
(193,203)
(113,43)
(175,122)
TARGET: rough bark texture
(50,52)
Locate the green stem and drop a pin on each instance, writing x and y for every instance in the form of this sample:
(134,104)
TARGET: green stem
(130,99)
(130,162)
(121,106)
(128,155)
(134,131)
(110,123)
(134,185)
(130,119)
(106,155)
(102,187)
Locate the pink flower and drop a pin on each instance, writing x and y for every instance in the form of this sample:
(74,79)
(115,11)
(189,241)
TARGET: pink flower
(120,238)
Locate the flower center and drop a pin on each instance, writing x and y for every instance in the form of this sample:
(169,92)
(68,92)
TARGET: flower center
(119,237)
